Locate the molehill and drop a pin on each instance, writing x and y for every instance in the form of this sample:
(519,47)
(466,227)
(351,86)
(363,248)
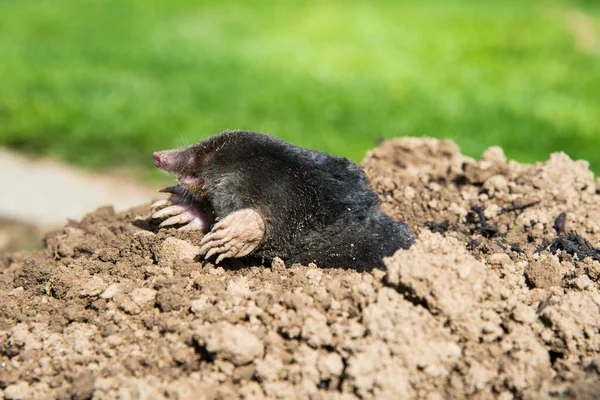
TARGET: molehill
(498,299)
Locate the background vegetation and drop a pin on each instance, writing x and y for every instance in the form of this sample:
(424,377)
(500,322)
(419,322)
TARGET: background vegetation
(103,83)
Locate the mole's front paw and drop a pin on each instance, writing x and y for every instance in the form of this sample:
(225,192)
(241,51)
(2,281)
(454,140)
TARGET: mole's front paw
(236,235)
(180,209)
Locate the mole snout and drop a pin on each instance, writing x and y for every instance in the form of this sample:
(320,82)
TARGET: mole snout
(157,158)
(167,160)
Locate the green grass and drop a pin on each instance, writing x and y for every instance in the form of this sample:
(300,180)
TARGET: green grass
(103,83)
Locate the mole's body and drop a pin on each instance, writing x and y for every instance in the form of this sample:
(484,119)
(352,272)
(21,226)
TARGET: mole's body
(258,195)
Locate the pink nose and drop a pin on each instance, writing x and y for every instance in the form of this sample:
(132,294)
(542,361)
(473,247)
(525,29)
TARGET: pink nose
(157,158)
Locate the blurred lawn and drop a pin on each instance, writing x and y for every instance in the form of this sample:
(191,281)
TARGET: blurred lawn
(104,83)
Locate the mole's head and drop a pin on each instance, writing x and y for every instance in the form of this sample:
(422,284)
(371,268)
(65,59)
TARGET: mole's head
(189,163)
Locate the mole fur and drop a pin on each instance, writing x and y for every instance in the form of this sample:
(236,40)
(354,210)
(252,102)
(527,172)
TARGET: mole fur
(317,207)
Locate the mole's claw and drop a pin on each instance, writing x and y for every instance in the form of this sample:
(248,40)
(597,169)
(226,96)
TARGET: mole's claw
(211,252)
(178,219)
(206,245)
(195,224)
(221,257)
(177,189)
(169,212)
(236,235)
(160,203)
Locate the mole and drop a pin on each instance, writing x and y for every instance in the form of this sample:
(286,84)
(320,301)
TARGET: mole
(253,194)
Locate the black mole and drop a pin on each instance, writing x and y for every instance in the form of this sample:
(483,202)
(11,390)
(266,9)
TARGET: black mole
(255,194)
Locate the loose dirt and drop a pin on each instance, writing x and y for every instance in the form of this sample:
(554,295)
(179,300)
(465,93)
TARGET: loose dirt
(498,299)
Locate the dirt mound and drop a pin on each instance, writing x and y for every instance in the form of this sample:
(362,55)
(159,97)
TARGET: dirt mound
(499,298)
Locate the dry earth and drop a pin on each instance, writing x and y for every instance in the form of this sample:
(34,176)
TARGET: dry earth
(499,298)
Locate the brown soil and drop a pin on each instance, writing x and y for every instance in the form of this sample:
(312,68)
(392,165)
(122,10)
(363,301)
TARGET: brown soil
(499,298)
